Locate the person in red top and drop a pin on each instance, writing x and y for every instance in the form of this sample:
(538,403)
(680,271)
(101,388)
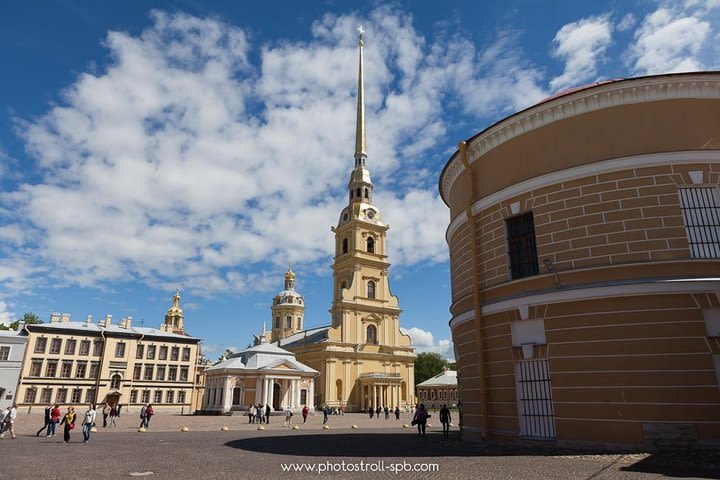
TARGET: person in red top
(149,412)
(54,419)
(305,412)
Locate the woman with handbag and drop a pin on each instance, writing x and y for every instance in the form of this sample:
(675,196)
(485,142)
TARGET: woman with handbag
(420,419)
(69,422)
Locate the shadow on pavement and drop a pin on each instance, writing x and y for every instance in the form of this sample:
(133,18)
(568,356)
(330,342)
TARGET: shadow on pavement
(690,464)
(357,445)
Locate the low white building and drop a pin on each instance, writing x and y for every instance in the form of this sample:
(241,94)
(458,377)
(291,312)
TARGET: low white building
(439,390)
(264,374)
(12,350)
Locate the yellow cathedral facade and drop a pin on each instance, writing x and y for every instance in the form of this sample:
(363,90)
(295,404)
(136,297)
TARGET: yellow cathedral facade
(363,358)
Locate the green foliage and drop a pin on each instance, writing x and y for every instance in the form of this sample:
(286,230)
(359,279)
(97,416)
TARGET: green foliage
(427,365)
(29,318)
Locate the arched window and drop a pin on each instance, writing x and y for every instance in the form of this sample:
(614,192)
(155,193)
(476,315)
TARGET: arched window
(345,245)
(371,334)
(358,192)
(277,322)
(371,245)
(371,289)
(367,193)
(115,382)
(288,322)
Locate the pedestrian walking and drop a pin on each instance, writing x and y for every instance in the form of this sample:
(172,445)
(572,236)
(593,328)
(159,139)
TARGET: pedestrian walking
(9,421)
(45,427)
(445,419)
(267,414)
(105,412)
(113,416)
(54,420)
(305,412)
(119,406)
(149,412)
(371,412)
(288,418)
(259,413)
(251,414)
(420,419)
(326,410)
(377,412)
(397,413)
(69,422)
(88,422)
(387,412)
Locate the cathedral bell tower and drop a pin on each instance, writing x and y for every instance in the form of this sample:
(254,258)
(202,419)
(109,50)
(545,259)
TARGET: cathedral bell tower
(287,310)
(174,316)
(363,311)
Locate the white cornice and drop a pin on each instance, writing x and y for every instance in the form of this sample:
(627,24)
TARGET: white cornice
(623,92)
(710,285)
(623,163)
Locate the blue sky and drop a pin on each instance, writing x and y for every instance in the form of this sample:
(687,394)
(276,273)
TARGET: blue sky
(144,144)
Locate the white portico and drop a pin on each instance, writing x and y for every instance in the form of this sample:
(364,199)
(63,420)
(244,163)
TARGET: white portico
(264,374)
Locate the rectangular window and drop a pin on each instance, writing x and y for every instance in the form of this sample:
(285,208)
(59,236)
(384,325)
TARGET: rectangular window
(186,355)
(55,345)
(146,396)
(66,369)
(140,351)
(148,372)
(133,396)
(40,344)
(46,395)
(175,353)
(521,246)
(534,394)
(85,348)
(90,395)
(701,212)
(76,395)
(51,368)
(170,397)
(181,396)
(61,395)
(137,371)
(4,354)
(163,353)
(160,375)
(120,350)
(70,347)
(158,396)
(30,395)
(172,373)
(151,352)
(35,368)
(94,369)
(97,348)
(80,370)
(183,374)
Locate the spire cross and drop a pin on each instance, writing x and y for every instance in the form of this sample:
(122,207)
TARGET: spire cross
(177,288)
(361,30)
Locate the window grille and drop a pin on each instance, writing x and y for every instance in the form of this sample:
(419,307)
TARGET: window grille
(521,246)
(535,406)
(701,212)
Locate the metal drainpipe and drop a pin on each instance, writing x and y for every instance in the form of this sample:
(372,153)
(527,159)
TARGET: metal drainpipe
(476,290)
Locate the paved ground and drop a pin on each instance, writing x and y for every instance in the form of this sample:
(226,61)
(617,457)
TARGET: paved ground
(245,452)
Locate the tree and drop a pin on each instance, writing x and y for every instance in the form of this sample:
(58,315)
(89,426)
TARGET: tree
(427,365)
(29,319)
(452,365)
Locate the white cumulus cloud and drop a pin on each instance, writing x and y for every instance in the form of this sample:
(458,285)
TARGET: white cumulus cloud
(6,316)
(423,341)
(581,44)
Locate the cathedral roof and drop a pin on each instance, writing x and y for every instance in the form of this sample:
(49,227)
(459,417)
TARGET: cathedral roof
(448,378)
(312,335)
(263,356)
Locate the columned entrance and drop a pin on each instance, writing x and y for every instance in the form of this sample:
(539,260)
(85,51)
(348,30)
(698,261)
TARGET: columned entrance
(380,390)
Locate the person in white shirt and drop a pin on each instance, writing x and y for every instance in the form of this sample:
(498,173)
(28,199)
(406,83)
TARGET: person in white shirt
(9,421)
(88,423)
(288,417)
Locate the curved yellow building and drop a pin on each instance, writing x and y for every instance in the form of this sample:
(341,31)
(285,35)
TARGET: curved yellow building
(585,260)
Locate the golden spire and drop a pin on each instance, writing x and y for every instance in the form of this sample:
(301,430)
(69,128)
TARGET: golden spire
(360,126)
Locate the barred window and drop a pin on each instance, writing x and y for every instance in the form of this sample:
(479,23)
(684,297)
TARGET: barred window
(94,369)
(76,395)
(146,396)
(120,350)
(521,246)
(160,375)
(4,354)
(136,372)
(701,212)
(172,373)
(61,396)
(35,367)
(80,369)
(40,344)
(51,368)
(66,369)
(85,347)
(30,394)
(151,352)
(70,347)
(149,372)
(46,395)
(133,396)
(163,353)
(175,352)
(158,396)
(139,351)
(186,351)
(181,396)
(170,398)
(55,345)
(97,348)
(184,374)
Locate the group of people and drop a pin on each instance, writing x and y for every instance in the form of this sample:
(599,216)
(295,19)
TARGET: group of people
(259,413)
(113,413)
(386,410)
(7,421)
(421,416)
(52,419)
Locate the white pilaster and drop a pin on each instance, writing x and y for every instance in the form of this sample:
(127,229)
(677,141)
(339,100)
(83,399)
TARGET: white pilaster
(311,395)
(227,395)
(271,392)
(374,399)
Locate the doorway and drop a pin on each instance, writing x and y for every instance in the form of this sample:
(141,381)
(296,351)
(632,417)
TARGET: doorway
(237,396)
(276,397)
(112,399)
